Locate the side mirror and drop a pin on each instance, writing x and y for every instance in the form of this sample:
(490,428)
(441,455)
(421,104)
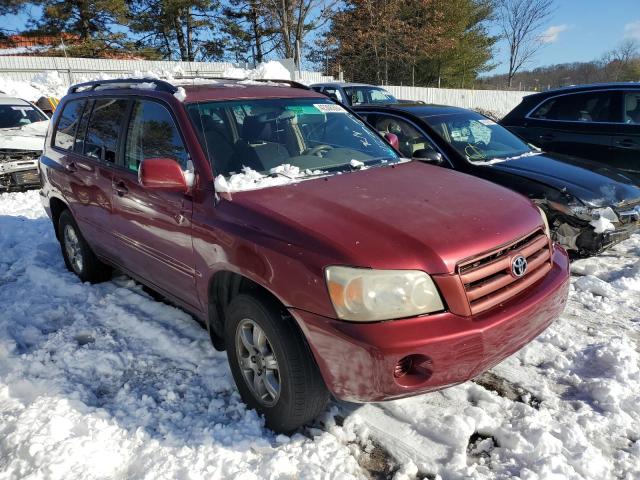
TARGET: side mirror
(162,174)
(428,156)
(392,138)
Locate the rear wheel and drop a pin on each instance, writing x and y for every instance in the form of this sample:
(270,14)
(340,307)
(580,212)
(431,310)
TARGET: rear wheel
(271,363)
(78,256)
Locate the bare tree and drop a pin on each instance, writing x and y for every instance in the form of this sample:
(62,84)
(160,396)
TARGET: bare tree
(521,22)
(623,62)
(292,20)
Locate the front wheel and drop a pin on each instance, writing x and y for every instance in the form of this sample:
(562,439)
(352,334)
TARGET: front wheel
(271,363)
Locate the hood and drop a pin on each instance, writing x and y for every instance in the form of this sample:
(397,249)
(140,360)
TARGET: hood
(27,137)
(593,183)
(410,216)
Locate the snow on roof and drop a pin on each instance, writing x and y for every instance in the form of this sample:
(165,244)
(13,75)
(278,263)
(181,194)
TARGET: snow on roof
(7,100)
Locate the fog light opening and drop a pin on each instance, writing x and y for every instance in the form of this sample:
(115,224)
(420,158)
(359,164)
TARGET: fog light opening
(412,370)
(403,367)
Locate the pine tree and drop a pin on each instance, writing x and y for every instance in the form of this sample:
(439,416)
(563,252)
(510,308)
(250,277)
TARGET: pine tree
(92,22)
(409,41)
(181,29)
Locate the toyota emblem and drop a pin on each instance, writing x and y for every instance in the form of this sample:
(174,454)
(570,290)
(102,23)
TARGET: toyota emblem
(518,266)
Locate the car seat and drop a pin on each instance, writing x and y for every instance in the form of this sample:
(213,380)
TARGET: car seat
(257,149)
(631,111)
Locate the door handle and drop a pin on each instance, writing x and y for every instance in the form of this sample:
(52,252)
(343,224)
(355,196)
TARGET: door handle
(71,167)
(546,137)
(120,188)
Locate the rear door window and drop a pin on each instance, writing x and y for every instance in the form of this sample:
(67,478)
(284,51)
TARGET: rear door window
(579,107)
(632,108)
(152,133)
(67,125)
(105,127)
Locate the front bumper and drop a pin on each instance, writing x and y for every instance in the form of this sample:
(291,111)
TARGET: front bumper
(591,243)
(19,174)
(357,360)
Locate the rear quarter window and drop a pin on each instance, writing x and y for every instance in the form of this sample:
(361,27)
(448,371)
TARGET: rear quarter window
(579,107)
(66,129)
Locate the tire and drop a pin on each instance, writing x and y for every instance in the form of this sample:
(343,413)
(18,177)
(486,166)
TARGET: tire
(300,391)
(78,256)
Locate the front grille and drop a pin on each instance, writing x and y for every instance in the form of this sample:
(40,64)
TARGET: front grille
(488,280)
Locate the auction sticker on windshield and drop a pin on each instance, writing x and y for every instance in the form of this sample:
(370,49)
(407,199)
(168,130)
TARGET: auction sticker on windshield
(329,108)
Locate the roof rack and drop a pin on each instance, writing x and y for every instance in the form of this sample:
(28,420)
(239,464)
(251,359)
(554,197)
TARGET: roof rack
(164,86)
(291,83)
(161,85)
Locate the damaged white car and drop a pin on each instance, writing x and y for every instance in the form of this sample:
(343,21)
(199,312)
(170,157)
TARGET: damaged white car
(22,131)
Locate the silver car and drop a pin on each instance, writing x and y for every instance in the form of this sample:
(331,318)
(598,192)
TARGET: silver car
(23,127)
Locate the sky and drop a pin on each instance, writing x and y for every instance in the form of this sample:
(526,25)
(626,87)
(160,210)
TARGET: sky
(578,31)
(582,30)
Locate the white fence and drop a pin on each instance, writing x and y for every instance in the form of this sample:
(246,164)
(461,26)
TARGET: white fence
(500,102)
(74,69)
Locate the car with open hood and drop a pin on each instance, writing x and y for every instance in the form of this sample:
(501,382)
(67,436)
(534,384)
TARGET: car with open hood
(590,206)
(23,127)
(323,262)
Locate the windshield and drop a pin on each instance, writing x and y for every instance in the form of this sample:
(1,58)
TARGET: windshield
(366,94)
(311,135)
(12,116)
(478,138)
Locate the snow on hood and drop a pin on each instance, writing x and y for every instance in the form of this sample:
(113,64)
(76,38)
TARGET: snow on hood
(27,137)
(500,160)
(250,179)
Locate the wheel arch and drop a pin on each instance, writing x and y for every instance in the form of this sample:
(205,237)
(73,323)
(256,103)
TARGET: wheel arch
(57,206)
(226,284)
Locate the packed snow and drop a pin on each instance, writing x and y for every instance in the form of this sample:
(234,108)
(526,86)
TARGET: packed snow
(104,381)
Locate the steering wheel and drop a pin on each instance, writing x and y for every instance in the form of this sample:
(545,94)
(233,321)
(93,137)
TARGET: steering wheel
(317,149)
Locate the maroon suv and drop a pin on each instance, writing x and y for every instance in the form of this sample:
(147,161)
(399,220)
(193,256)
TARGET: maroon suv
(316,256)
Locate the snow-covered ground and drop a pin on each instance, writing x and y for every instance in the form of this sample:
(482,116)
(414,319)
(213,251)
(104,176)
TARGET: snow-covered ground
(103,381)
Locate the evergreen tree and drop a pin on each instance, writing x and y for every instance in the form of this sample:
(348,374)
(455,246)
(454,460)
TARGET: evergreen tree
(177,29)
(409,42)
(248,36)
(92,22)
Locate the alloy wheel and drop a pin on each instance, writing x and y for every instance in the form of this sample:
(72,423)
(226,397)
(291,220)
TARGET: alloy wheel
(258,362)
(73,249)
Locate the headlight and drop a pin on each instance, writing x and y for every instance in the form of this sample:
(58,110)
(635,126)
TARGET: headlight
(363,295)
(606,212)
(545,221)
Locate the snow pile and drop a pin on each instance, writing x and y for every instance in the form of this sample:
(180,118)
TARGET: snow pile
(250,179)
(270,70)
(52,84)
(102,381)
(45,84)
(180,94)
